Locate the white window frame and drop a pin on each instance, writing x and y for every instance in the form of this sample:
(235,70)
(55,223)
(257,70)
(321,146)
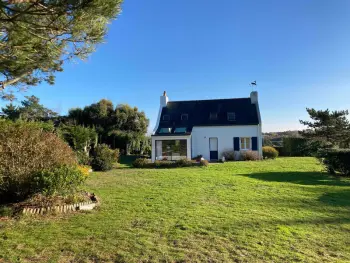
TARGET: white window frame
(245,143)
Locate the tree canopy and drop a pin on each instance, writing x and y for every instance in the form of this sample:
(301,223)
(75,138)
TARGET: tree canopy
(122,126)
(333,128)
(37,37)
(30,110)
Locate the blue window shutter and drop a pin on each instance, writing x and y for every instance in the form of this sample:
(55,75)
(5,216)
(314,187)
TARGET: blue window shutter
(236,143)
(254,143)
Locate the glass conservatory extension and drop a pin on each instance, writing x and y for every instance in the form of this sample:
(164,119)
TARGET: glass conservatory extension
(171,150)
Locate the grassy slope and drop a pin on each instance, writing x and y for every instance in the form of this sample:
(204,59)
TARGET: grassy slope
(271,211)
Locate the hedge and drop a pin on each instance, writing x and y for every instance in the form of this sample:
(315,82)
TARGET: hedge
(146,163)
(337,161)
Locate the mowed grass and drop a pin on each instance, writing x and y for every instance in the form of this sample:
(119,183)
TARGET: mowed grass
(284,210)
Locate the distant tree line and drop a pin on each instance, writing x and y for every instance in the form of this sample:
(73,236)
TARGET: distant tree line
(122,126)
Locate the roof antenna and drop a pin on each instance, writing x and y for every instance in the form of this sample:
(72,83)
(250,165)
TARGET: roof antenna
(253,84)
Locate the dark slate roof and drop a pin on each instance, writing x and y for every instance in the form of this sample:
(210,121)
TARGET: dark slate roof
(199,111)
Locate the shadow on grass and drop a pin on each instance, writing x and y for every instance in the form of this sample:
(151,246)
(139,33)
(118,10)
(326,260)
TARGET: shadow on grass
(302,178)
(340,198)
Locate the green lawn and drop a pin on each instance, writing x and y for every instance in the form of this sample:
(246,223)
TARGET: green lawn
(284,210)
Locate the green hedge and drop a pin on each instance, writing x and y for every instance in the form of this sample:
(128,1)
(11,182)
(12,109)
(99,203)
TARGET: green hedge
(146,163)
(337,161)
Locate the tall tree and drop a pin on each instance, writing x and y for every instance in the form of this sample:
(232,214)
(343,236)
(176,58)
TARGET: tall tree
(30,110)
(124,127)
(333,128)
(37,37)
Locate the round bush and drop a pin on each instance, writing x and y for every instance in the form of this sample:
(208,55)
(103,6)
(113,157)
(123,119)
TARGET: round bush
(142,163)
(104,158)
(249,156)
(183,163)
(63,180)
(229,155)
(269,152)
(26,148)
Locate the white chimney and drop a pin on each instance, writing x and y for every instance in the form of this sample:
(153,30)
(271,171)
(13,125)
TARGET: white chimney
(254,97)
(164,100)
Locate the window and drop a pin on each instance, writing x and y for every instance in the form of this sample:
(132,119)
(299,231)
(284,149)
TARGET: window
(246,143)
(231,116)
(165,130)
(180,130)
(166,117)
(213,116)
(171,150)
(184,117)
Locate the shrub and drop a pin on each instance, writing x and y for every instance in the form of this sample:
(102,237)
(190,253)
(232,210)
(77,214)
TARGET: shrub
(229,155)
(183,163)
(83,158)
(249,156)
(85,169)
(142,163)
(63,180)
(26,148)
(164,164)
(104,158)
(203,163)
(337,160)
(269,152)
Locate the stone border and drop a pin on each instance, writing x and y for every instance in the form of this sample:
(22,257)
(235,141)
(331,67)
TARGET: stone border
(85,206)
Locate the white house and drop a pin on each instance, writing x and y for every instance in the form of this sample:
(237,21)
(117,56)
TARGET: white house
(186,129)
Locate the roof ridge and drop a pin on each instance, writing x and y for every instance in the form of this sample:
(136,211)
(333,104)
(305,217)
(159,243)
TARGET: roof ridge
(207,100)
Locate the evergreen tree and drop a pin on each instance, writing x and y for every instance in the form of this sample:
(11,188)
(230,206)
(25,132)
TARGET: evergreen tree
(37,37)
(332,128)
(30,110)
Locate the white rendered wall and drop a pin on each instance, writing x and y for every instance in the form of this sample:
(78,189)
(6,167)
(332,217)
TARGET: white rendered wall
(225,135)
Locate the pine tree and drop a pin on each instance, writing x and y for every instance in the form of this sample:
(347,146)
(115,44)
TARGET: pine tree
(37,37)
(332,128)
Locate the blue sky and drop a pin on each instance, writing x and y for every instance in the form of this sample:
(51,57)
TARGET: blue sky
(298,52)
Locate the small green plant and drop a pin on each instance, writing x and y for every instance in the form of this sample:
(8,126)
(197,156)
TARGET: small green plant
(249,156)
(6,211)
(63,180)
(104,158)
(269,152)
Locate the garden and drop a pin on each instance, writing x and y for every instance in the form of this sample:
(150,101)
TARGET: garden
(282,210)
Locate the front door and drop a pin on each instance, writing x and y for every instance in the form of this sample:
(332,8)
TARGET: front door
(213,148)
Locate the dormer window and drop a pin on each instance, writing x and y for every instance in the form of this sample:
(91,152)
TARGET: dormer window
(213,116)
(231,116)
(165,130)
(166,117)
(184,117)
(180,130)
